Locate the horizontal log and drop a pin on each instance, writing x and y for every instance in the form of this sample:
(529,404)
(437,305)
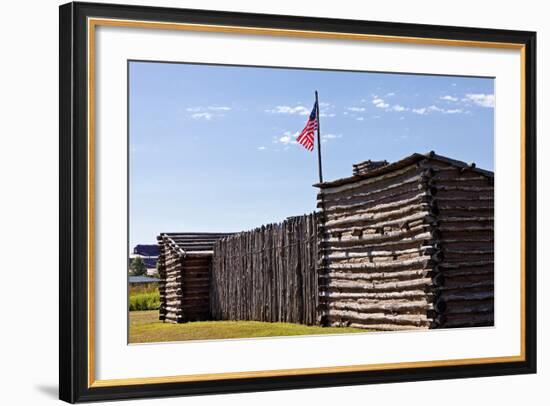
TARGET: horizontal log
(406,294)
(402,244)
(377,326)
(457,272)
(467,286)
(370,286)
(404,236)
(443,219)
(466,295)
(420,262)
(368,207)
(410,170)
(355,216)
(408,274)
(401,194)
(469,320)
(420,307)
(414,319)
(469,308)
(379,221)
(465,264)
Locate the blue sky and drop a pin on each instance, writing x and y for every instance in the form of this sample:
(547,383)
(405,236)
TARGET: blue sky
(212,148)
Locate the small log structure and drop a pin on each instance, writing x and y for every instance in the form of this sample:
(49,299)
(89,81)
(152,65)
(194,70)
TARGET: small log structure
(267,274)
(184,268)
(407,245)
(366,166)
(397,246)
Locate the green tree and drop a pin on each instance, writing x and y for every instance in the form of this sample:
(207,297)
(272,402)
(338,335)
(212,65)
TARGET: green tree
(137,267)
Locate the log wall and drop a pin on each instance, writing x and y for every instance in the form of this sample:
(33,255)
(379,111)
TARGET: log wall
(377,253)
(170,288)
(465,211)
(267,274)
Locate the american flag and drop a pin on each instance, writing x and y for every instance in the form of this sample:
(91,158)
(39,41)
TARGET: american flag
(307,136)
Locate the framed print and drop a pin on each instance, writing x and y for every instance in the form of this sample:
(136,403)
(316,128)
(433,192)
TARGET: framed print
(255,202)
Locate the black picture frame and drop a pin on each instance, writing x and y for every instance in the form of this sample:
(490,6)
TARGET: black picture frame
(74,199)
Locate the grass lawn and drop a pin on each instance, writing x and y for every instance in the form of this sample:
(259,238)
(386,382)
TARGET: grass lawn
(145,327)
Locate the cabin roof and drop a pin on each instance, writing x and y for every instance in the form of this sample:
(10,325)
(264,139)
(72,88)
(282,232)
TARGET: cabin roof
(192,243)
(409,160)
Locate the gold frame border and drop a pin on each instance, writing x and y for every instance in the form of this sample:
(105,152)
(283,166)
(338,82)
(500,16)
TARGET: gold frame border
(94,22)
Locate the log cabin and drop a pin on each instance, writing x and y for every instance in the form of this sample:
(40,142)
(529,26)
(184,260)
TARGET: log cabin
(184,268)
(407,245)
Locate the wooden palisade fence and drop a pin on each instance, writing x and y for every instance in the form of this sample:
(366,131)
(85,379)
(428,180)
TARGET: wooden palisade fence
(267,274)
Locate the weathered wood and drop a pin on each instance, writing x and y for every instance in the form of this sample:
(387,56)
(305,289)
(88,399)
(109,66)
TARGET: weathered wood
(184,267)
(421,234)
(414,319)
(267,274)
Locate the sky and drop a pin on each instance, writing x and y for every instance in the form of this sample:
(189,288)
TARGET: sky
(212,147)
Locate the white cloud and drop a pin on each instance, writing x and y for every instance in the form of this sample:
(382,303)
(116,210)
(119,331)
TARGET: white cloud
(398,107)
(435,109)
(327,115)
(204,115)
(449,98)
(262,148)
(356,109)
(444,111)
(301,110)
(359,118)
(378,102)
(287,138)
(208,108)
(207,112)
(480,99)
(390,94)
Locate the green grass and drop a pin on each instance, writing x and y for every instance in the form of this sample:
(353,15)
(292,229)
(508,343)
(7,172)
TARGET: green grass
(145,327)
(144,300)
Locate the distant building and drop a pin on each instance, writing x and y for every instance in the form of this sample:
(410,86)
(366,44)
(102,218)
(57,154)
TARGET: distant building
(147,250)
(143,281)
(149,253)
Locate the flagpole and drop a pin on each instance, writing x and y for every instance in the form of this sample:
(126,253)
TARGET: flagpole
(322,269)
(319,137)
